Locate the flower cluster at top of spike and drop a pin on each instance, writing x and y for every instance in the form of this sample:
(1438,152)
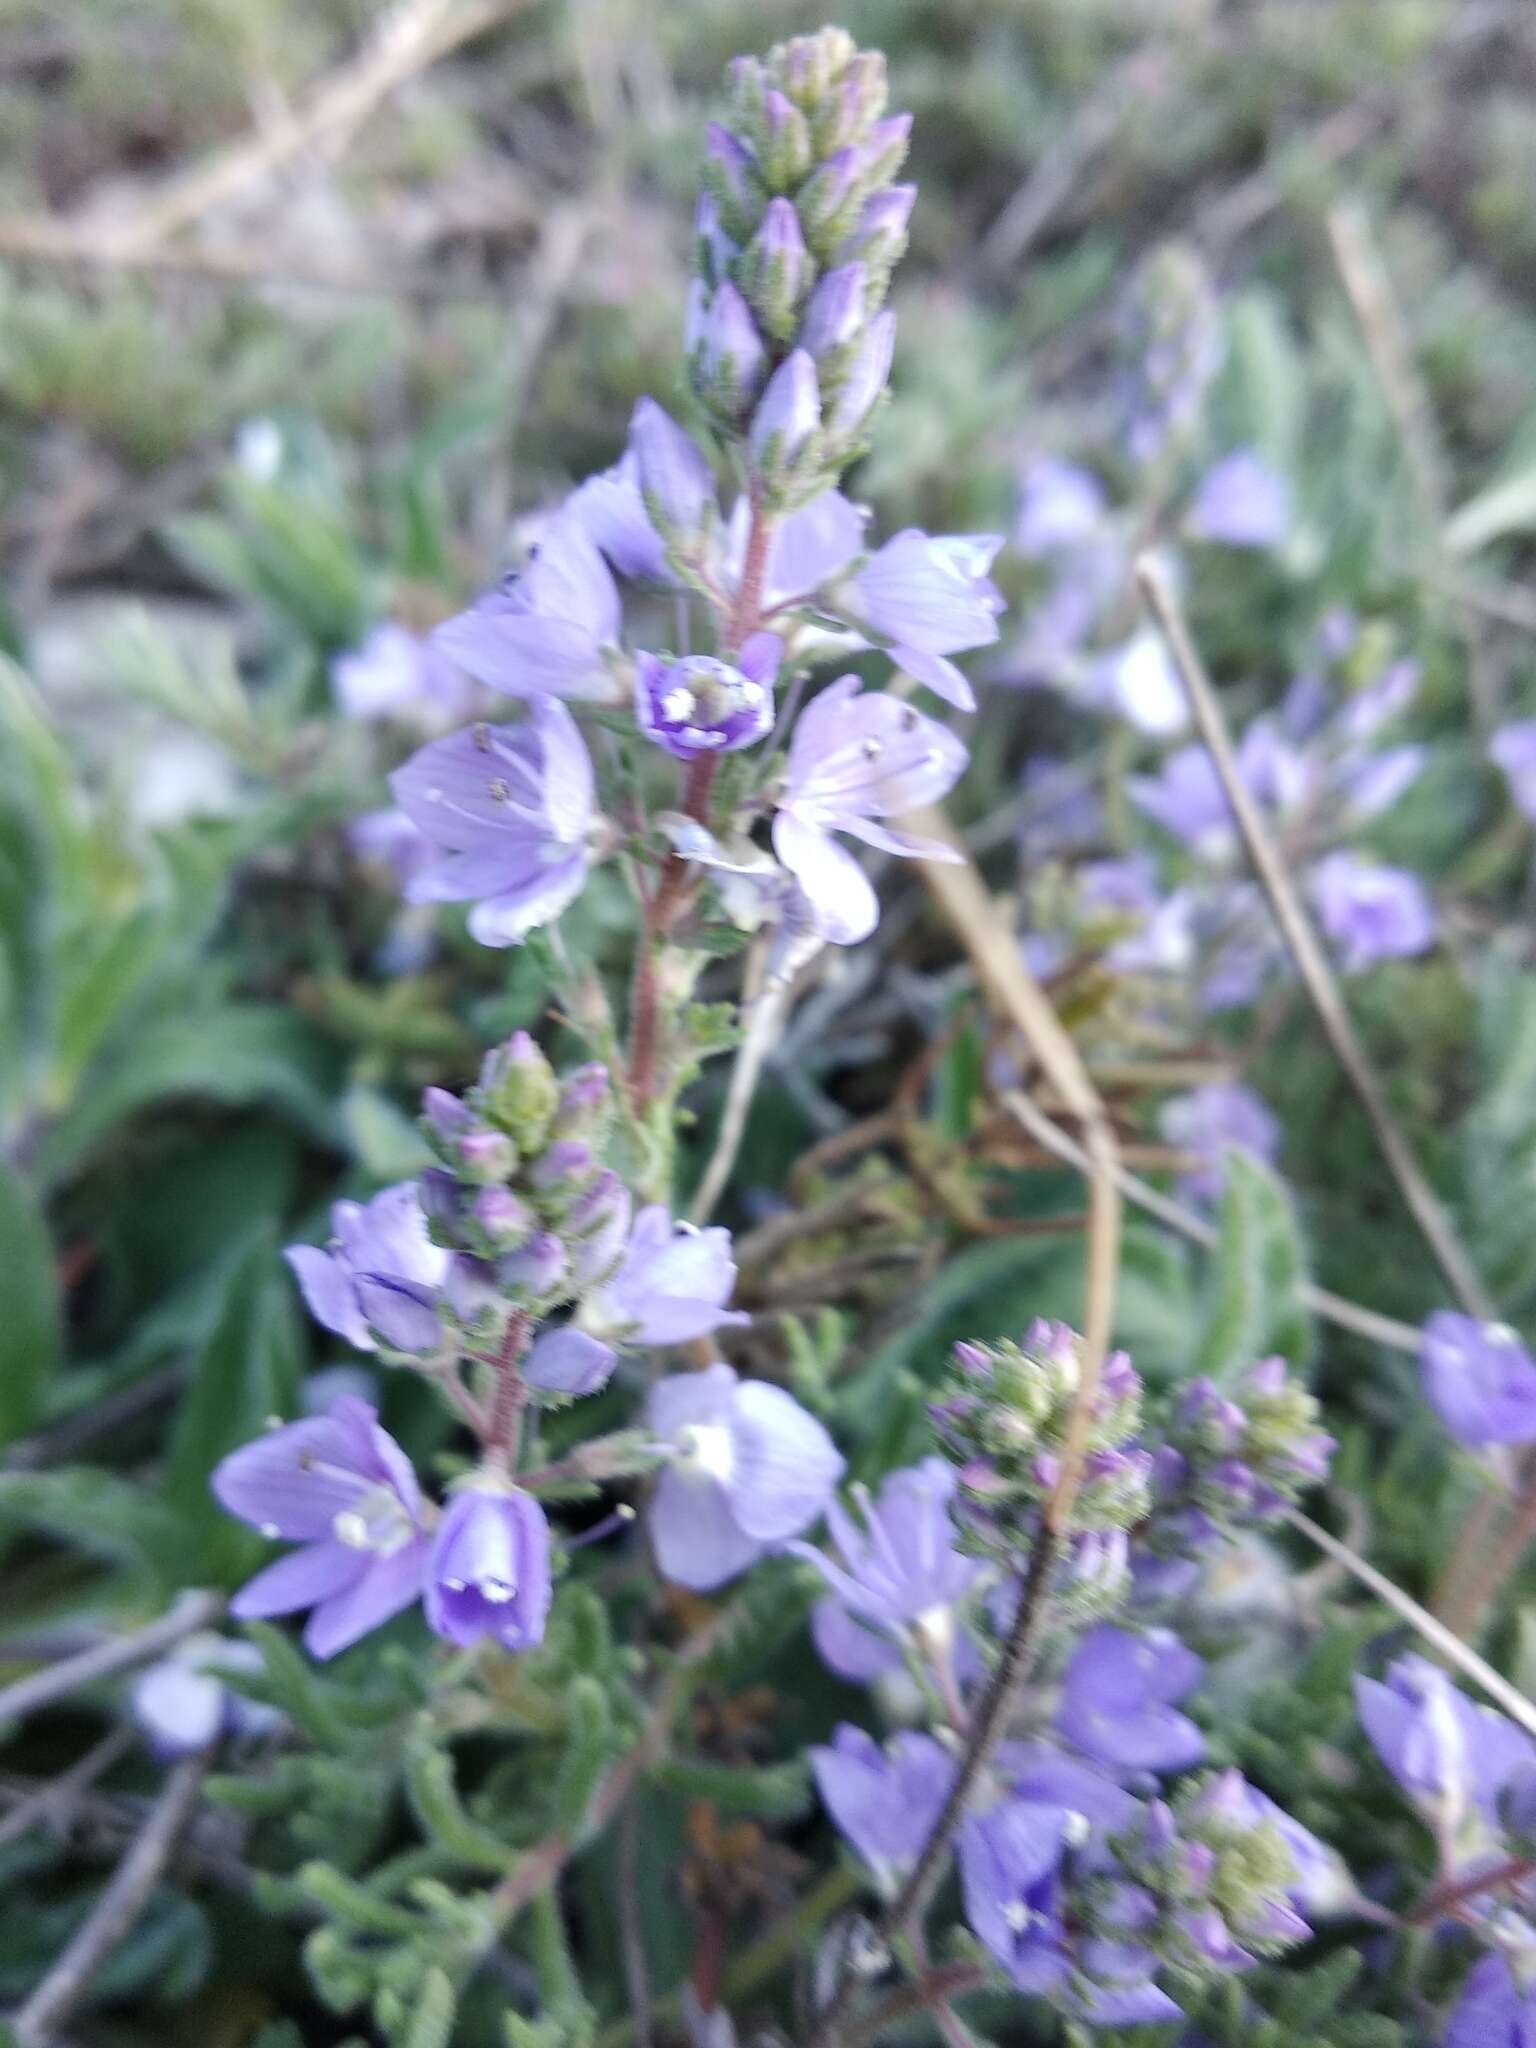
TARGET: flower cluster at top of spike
(798,230)
(788,350)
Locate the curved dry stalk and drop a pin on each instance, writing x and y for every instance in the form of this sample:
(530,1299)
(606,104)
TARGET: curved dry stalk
(40,2020)
(1334,1308)
(194,1610)
(1317,976)
(1435,1633)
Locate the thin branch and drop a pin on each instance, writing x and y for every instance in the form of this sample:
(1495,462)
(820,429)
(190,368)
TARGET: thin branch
(765,1007)
(123,1898)
(1391,351)
(192,1611)
(409,38)
(52,1805)
(1311,961)
(1348,1315)
(637,1971)
(1435,1633)
(948,1980)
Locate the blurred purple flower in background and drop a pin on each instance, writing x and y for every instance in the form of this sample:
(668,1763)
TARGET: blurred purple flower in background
(1210,1120)
(340,1487)
(1479,1379)
(1370,911)
(394,673)
(1497,2008)
(182,1703)
(1117,1701)
(1513,748)
(1242,502)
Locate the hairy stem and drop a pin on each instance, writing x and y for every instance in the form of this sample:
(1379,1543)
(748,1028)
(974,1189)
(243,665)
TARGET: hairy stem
(661,910)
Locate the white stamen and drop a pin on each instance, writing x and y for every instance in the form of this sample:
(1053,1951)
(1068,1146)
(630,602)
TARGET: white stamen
(706,1448)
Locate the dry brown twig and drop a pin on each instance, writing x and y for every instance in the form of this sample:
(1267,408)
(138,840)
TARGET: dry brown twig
(38,2022)
(1316,975)
(409,39)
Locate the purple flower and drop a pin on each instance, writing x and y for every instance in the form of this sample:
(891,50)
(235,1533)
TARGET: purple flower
(671,1284)
(183,1705)
(380,1278)
(1320,1882)
(1242,502)
(1211,1120)
(1117,1701)
(1452,1758)
(544,632)
(928,597)
(848,1648)
(746,1469)
(388,838)
(342,1489)
(569,1361)
(808,548)
(1186,798)
(489,1573)
(510,810)
(395,673)
(1061,505)
(702,705)
(1479,1379)
(1496,2010)
(1010,1861)
(1371,912)
(677,486)
(1513,749)
(612,511)
(853,760)
(902,1568)
(884,1801)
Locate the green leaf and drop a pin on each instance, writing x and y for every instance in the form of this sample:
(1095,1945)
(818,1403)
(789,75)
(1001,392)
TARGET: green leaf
(434,1796)
(589,1742)
(769,1791)
(1508,506)
(433,2014)
(387,1143)
(233,1053)
(109,1518)
(246,1373)
(30,1324)
(1258,1269)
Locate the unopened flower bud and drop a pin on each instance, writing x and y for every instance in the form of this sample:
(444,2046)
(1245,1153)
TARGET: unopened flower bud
(850,109)
(863,379)
(835,313)
(586,1102)
(787,415)
(485,1156)
(714,249)
(776,270)
(518,1090)
(535,1269)
(731,174)
(729,362)
(783,140)
(676,484)
(499,1219)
